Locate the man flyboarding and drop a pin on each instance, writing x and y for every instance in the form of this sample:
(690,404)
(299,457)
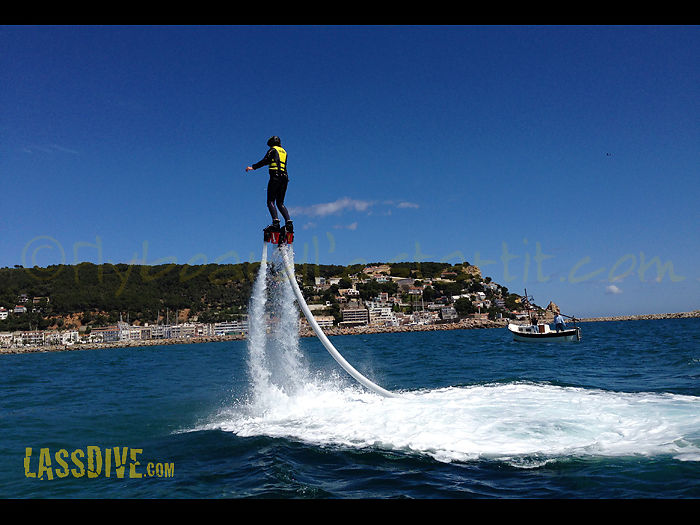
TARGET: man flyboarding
(276,159)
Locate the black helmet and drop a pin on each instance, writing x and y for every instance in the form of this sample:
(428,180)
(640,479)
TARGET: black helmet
(274,141)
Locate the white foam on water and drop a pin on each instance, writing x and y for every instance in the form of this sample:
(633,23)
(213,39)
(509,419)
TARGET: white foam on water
(523,424)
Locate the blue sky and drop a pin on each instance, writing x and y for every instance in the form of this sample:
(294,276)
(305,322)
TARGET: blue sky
(563,160)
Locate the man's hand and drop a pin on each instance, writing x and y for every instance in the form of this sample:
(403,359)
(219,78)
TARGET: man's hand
(249,168)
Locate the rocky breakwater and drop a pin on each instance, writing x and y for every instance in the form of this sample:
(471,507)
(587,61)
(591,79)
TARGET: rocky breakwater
(680,315)
(119,344)
(464,324)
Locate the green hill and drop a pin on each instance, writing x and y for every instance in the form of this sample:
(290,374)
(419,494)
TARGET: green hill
(93,294)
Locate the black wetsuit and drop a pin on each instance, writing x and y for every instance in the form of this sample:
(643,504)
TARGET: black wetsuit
(277,185)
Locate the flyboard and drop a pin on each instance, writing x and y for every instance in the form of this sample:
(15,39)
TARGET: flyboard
(281,238)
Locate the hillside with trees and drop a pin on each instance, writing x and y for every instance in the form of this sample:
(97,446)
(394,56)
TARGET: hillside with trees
(97,295)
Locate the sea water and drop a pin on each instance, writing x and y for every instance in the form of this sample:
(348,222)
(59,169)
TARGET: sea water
(616,415)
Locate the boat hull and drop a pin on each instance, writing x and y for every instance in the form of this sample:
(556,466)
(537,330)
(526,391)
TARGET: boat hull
(571,334)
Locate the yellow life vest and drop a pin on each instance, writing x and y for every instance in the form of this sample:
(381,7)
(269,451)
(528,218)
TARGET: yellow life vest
(281,169)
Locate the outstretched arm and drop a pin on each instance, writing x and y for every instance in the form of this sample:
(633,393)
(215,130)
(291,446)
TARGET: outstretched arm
(264,162)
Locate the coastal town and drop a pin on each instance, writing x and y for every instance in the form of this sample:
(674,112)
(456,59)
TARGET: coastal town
(335,302)
(413,306)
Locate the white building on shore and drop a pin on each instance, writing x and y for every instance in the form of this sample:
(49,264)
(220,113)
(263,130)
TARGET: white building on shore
(381,316)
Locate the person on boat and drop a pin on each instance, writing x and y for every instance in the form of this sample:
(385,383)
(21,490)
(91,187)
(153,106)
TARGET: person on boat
(559,322)
(276,159)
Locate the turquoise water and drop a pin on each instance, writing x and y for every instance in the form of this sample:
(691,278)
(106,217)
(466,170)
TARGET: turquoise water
(616,415)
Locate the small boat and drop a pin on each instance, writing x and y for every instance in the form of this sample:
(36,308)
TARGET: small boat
(539,331)
(542,332)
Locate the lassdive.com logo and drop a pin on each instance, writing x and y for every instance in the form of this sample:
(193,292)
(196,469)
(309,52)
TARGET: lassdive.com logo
(93,462)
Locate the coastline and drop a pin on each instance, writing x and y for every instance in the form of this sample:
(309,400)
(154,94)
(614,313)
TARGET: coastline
(464,324)
(645,317)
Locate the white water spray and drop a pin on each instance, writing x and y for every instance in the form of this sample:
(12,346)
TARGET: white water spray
(288,369)
(257,332)
(275,361)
